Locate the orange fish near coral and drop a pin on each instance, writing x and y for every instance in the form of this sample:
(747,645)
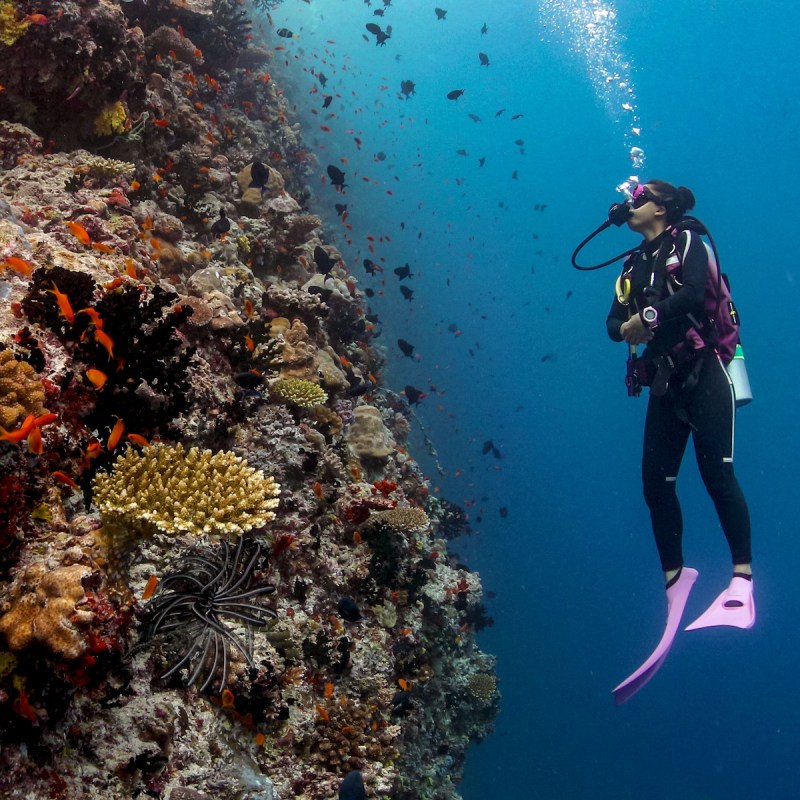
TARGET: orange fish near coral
(90,312)
(135,438)
(329,689)
(105,340)
(102,248)
(18,265)
(251,345)
(35,444)
(15,437)
(96,377)
(116,434)
(63,304)
(323,713)
(62,477)
(227,698)
(79,232)
(152,582)
(404,684)
(318,490)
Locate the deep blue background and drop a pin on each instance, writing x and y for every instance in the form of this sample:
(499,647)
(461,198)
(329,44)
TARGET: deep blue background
(579,593)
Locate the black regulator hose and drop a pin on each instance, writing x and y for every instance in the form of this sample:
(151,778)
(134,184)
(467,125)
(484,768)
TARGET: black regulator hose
(617,215)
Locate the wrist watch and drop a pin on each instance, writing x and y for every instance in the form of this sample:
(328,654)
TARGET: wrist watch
(650,317)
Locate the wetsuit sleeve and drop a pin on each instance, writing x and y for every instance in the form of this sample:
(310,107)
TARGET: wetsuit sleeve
(687,299)
(616,316)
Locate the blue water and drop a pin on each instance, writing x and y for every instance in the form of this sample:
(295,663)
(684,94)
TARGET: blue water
(579,594)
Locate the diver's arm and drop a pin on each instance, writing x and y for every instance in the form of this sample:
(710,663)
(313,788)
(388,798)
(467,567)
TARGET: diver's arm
(616,316)
(688,298)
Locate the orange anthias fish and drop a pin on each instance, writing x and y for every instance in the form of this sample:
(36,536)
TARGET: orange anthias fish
(116,434)
(62,477)
(323,713)
(35,444)
(96,377)
(18,265)
(318,490)
(63,304)
(15,437)
(152,582)
(135,438)
(404,684)
(329,689)
(90,312)
(79,232)
(227,698)
(102,248)
(105,340)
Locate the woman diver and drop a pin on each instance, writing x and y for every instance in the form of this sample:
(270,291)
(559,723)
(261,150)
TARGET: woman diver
(662,301)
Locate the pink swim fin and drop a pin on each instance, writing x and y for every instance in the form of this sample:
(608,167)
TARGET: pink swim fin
(740,611)
(677,595)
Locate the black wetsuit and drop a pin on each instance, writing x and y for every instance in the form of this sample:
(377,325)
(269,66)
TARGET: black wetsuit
(699,400)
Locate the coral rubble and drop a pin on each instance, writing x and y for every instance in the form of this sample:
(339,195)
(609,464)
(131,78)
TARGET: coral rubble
(169,358)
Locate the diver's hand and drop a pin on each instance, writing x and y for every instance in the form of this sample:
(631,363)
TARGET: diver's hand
(634,331)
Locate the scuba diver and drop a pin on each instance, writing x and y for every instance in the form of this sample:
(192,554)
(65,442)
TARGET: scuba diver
(671,297)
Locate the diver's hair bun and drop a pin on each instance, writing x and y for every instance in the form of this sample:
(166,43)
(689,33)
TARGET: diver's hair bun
(684,199)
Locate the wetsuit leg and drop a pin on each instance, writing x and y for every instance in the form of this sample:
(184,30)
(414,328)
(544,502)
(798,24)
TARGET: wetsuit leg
(665,438)
(712,411)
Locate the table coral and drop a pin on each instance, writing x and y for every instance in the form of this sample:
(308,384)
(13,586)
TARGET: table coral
(192,492)
(21,392)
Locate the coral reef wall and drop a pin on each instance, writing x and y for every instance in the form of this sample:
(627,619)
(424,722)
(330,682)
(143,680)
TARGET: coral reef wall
(221,572)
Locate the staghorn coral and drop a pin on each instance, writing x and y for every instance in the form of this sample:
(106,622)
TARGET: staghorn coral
(403,519)
(297,392)
(482,686)
(99,167)
(44,612)
(21,392)
(194,492)
(112,119)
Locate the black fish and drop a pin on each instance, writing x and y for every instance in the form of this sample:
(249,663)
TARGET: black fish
(286,33)
(484,29)
(373,318)
(569,294)
(322,79)
(517,116)
(337,177)
(401,702)
(452,327)
(380,35)
(406,292)
(340,208)
(406,347)
(369,292)
(323,261)
(327,101)
(520,142)
(408,88)
(484,59)
(352,787)
(404,272)
(487,446)
(462,153)
(249,380)
(371,267)
(455,94)
(380,156)
(514,175)
(440,13)
(503,512)
(259,175)
(378,12)
(222,225)
(348,609)
(414,395)
(474,117)
(498,113)
(481,162)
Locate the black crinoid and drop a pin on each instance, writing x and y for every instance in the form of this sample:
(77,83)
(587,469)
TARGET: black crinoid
(209,590)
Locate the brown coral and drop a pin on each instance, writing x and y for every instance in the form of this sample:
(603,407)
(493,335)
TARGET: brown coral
(298,355)
(404,519)
(43,614)
(21,392)
(292,302)
(368,436)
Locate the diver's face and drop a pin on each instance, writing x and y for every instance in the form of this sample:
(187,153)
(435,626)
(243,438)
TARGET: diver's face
(645,208)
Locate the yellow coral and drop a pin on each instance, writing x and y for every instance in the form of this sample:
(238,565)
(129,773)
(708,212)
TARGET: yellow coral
(21,392)
(10,28)
(482,686)
(192,492)
(112,119)
(298,392)
(44,614)
(403,519)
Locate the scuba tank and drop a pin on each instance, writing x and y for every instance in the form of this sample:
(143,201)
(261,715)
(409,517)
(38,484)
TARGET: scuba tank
(737,372)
